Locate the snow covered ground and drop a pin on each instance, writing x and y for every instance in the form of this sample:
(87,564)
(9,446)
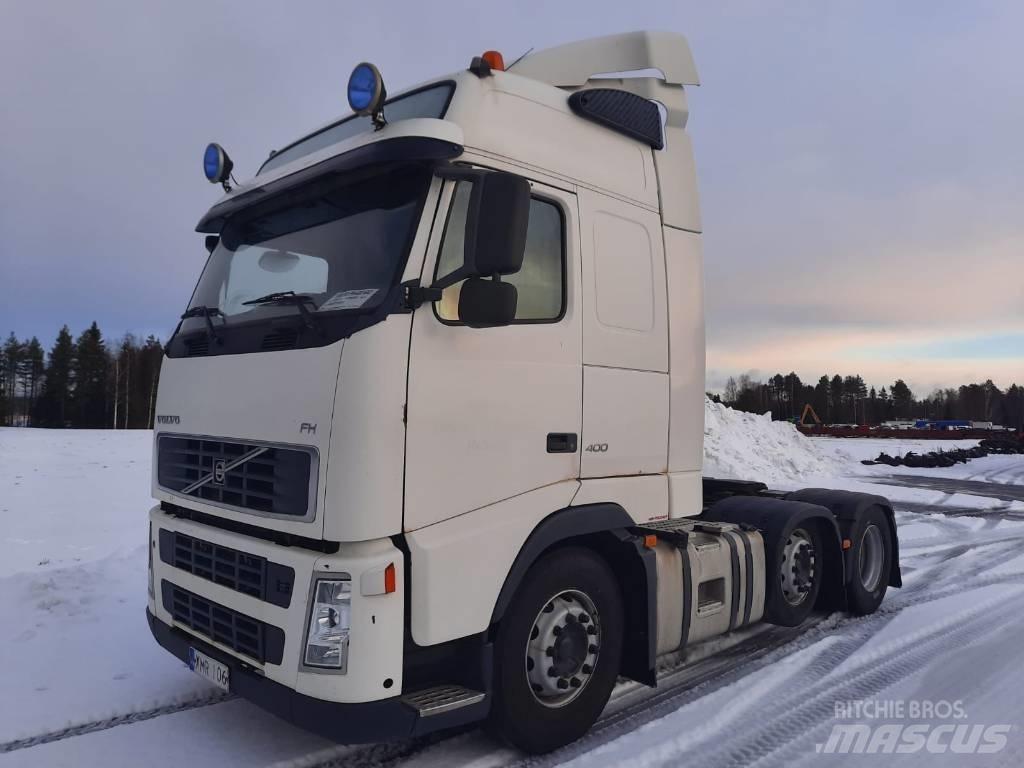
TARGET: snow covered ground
(83,683)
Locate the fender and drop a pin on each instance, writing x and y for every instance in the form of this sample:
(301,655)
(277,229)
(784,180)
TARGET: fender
(847,506)
(771,516)
(604,528)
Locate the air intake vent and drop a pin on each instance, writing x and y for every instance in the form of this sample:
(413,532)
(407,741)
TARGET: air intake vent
(285,338)
(249,574)
(242,634)
(197,347)
(621,111)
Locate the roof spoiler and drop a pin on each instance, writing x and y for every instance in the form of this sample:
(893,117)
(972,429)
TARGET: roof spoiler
(572,64)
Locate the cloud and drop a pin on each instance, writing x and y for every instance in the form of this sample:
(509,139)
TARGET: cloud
(859,163)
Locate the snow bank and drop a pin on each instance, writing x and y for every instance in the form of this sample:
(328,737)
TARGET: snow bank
(749,446)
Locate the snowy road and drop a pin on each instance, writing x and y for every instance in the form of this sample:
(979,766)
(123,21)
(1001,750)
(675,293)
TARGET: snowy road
(952,485)
(85,685)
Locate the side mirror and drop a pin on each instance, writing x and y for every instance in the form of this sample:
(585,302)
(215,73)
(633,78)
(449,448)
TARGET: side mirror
(497,217)
(499,213)
(487,303)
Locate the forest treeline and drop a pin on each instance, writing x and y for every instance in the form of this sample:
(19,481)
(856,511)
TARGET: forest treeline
(85,382)
(89,382)
(849,400)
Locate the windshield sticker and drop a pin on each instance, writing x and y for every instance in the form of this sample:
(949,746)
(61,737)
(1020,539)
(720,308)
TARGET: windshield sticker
(348,299)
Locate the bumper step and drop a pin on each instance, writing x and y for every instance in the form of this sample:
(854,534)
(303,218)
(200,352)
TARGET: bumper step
(442,698)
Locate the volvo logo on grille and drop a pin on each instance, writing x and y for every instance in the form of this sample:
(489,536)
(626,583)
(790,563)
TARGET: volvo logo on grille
(221,467)
(167,419)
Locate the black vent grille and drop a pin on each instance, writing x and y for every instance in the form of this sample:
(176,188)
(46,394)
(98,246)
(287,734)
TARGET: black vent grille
(197,347)
(249,574)
(621,111)
(250,637)
(271,480)
(284,338)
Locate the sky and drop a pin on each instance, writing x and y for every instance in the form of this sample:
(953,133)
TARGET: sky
(860,164)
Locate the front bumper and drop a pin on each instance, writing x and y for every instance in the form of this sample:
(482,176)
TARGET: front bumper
(375,648)
(360,723)
(360,705)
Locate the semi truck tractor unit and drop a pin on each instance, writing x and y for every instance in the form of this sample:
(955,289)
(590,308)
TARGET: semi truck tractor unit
(428,441)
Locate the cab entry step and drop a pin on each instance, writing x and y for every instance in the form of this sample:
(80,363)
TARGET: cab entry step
(442,698)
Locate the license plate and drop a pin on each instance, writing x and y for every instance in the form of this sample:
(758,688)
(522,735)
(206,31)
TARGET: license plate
(217,673)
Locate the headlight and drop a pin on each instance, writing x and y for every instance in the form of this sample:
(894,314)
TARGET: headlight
(329,621)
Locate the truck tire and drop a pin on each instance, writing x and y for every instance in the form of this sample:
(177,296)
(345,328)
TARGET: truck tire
(870,560)
(795,573)
(557,651)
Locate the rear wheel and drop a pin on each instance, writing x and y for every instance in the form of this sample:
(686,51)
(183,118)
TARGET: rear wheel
(795,579)
(871,561)
(557,651)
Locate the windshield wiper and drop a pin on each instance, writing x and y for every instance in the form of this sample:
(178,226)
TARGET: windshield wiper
(205,312)
(297,300)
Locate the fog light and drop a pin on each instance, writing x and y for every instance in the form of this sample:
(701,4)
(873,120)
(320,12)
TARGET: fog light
(329,620)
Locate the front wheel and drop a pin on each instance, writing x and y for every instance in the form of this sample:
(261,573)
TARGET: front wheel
(557,651)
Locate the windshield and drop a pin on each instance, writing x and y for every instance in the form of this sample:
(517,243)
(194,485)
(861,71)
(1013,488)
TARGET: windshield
(343,246)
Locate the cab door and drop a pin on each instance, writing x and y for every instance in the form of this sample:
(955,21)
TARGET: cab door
(495,412)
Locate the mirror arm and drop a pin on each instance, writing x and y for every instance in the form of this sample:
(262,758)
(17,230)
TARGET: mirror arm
(455,276)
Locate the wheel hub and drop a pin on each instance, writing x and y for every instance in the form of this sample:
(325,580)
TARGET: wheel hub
(872,558)
(797,573)
(562,651)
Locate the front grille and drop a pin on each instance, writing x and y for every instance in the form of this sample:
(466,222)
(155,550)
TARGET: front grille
(249,476)
(250,637)
(249,574)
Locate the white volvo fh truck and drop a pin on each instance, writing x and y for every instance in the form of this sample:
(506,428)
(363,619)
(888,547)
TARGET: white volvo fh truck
(429,435)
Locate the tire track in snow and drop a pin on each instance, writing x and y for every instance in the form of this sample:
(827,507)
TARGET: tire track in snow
(809,707)
(804,712)
(383,755)
(723,671)
(82,729)
(682,683)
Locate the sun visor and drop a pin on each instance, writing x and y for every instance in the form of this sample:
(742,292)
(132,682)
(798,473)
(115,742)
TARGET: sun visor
(382,152)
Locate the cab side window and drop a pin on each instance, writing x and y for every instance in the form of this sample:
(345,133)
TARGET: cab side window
(541,281)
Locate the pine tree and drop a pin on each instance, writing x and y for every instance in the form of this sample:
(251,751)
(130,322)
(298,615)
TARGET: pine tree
(12,361)
(30,376)
(90,373)
(53,408)
(836,398)
(3,386)
(902,398)
(150,357)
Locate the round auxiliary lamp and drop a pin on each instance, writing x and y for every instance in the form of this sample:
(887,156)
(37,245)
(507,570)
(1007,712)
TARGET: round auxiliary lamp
(366,93)
(217,165)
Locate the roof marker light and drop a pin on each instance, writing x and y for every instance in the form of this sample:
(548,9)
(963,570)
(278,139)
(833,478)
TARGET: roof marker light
(495,60)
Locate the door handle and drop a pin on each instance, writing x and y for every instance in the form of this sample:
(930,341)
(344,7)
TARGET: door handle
(562,442)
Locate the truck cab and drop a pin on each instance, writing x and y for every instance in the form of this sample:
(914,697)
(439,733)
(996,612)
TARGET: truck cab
(428,441)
